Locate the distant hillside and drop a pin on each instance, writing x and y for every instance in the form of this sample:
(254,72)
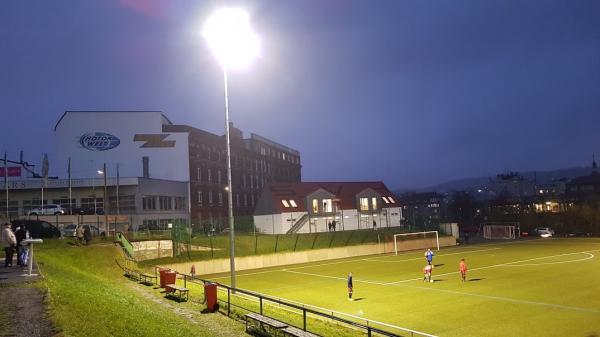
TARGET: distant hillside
(541,177)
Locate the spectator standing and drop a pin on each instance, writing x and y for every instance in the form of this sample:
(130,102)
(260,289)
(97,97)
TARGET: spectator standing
(21,235)
(87,235)
(9,242)
(79,233)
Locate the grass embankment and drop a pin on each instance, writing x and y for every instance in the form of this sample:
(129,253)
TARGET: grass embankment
(88,296)
(259,244)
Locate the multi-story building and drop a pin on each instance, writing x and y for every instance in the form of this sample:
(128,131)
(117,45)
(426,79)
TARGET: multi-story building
(155,171)
(422,209)
(305,207)
(255,162)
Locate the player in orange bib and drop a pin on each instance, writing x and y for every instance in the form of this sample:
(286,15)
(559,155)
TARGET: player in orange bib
(462,266)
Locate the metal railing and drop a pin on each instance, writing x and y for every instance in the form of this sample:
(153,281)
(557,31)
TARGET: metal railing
(306,311)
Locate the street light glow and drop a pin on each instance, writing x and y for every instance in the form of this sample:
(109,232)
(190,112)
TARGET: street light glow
(231,38)
(100,172)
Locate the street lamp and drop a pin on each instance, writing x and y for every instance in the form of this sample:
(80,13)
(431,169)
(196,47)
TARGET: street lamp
(234,44)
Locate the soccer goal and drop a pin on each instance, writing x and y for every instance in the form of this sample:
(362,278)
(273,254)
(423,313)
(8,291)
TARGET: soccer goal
(427,240)
(506,232)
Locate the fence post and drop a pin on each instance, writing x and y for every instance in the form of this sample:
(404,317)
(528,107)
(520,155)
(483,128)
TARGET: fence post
(369,331)
(261,305)
(304,317)
(228,301)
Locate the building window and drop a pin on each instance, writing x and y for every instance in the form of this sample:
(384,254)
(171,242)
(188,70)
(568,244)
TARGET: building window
(245,200)
(364,204)
(391,200)
(179,203)
(165,203)
(219,176)
(149,224)
(88,203)
(237,200)
(385,200)
(220,197)
(285,203)
(148,202)
(252,200)
(374,203)
(209,174)
(199,197)
(64,202)
(293,203)
(244,180)
(327,206)
(315,206)
(199,174)
(210,199)
(126,204)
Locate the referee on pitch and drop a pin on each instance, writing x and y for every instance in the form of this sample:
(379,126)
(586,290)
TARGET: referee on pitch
(350,286)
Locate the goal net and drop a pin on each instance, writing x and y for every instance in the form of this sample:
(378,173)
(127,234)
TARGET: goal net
(417,240)
(499,232)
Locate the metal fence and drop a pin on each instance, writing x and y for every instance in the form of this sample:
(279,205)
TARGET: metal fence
(235,302)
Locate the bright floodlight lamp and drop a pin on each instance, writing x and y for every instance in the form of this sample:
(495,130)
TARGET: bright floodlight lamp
(233,42)
(231,38)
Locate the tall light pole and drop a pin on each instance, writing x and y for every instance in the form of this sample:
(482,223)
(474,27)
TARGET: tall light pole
(234,44)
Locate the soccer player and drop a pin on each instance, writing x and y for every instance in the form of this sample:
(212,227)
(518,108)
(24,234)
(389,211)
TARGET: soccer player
(427,273)
(462,266)
(350,288)
(429,256)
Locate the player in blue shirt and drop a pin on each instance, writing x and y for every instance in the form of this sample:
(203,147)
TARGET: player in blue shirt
(350,286)
(429,256)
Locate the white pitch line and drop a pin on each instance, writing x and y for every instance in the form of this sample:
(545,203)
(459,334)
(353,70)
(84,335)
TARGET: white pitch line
(505,299)
(422,257)
(506,264)
(589,257)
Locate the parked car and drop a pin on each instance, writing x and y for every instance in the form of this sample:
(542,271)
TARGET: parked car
(71,230)
(37,229)
(544,231)
(50,209)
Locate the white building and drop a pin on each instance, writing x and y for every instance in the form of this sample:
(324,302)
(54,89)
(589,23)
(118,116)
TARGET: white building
(319,206)
(132,140)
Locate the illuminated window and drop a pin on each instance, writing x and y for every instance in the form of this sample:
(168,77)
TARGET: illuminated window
(374,203)
(385,200)
(285,203)
(327,206)
(293,203)
(391,200)
(315,206)
(364,204)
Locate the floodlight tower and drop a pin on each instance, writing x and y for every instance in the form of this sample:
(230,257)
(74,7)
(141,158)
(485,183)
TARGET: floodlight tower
(235,45)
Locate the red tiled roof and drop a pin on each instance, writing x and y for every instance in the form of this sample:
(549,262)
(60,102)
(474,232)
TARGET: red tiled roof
(344,191)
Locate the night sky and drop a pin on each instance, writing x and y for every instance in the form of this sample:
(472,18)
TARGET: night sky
(409,92)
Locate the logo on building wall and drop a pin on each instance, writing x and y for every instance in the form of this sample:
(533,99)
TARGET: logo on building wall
(99,141)
(154,140)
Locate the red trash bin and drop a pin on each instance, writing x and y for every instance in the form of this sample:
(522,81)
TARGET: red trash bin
(162,272)
(210,295)
(170,277)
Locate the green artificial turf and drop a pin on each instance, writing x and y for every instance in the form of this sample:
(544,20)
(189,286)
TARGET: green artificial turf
(89,296)
(542,287)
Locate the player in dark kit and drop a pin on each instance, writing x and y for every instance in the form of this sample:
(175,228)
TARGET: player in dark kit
(350,286)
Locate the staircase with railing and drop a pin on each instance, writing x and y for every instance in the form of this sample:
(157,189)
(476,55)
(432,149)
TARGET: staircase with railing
(298,224)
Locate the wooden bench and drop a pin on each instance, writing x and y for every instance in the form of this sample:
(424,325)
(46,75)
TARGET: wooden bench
(295,332)
(148,279)
(262,321)
(176,291)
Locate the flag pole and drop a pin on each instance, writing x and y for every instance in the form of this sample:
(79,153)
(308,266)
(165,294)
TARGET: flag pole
(118,207)
(6,182)
(70,188)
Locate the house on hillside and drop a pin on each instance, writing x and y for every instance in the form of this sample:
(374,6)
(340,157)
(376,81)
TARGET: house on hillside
(307,207)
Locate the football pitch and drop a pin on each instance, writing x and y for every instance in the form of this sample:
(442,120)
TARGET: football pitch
(539,287)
